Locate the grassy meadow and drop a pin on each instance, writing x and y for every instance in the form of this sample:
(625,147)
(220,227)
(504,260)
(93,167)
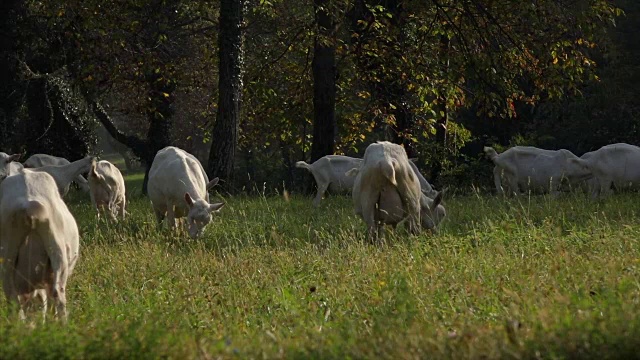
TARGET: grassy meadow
(534,277)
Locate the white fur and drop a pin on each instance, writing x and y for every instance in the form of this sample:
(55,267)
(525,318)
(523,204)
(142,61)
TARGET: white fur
(385,165)
(391,212)
(40,160)
(614,164)
(532,169)
(425,187)
(15,167)
(178,187)
(329,173)
(39,240)
(107,189)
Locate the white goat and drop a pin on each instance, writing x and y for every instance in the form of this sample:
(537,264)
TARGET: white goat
(391,212)
(533,169)
(425,187)
(613,165)
(107,189)
(178,187)
(65,174)
(39,240)
(329,173)
(386,165)
(40,160)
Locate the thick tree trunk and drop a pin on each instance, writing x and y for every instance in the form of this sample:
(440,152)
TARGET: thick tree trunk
(403,125)
(324,83)
(160,112)
(10,94)
(40,117)
(231,51)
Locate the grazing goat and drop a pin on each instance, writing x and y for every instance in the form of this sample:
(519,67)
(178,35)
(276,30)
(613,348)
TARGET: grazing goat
(107,189)
(39,240)
(329,173)
(532,169)
(425,187)
(178,187)
(386,165)
(40,160)
(390,210)
(612,165)
(65,174)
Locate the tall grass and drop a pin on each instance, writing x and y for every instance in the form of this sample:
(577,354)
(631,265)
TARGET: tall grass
(503,278)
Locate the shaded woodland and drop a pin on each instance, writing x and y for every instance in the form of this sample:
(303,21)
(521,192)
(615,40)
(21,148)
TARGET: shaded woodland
(252,86)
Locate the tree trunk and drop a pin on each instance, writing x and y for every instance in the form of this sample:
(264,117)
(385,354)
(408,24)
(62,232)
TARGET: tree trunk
(441,123)
(324,83)
(40,117)
(404,123)
(160,111)
(10,94)
(225,131)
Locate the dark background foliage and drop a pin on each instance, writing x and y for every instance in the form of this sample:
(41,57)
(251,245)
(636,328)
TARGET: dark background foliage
(264,84)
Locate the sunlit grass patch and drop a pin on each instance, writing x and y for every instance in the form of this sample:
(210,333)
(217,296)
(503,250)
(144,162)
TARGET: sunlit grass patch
(274,277)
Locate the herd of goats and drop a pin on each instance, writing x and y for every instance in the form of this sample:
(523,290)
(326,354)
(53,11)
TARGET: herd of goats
(39,238)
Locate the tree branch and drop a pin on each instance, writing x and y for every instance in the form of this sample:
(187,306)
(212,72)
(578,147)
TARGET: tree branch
(139,147)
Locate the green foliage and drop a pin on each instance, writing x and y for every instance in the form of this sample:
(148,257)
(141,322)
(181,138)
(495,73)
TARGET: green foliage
(487,70)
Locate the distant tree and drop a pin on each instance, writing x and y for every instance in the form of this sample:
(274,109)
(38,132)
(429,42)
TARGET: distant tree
(140,65)
(10,12)
(324,81)
(41,109)
(231,56)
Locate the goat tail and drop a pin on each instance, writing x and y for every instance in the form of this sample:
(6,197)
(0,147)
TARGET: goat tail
(491,152)
(388,170)
(92,170)
(93,173)
(303,165)
(35,212)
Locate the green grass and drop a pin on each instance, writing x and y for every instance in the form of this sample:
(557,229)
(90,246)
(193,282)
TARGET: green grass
(519,278)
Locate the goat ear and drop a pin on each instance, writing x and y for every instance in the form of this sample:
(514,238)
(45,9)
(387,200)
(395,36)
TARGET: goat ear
(413,160)
(215,207)
(14,157)
(212,183)
(437,200)
(188,199)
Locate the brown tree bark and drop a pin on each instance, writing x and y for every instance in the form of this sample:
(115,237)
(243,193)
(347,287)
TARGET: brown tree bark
(231,52)
(324,83)
(10,11)
(161,89)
